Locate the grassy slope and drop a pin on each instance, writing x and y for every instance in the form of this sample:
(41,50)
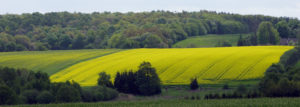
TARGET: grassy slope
(49,61)
(177,66)
(259,102)
(208,40)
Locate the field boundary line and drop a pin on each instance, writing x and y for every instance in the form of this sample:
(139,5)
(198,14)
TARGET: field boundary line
(69,65)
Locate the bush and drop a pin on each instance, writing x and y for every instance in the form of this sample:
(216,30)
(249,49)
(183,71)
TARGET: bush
(194,84)
(223,44)
(102,93)
(30,96)
(224,95)
(67,93)
(87,96)
(104,80)
(241,89)
(193,98)
(226,87)
(7,95)
(45,97)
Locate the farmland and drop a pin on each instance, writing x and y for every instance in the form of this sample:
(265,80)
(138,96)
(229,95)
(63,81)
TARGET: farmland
(259,102)
(210,40)
(178,66)
(174,66)
(49,61)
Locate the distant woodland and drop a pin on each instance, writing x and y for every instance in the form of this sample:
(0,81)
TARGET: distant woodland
(156,29)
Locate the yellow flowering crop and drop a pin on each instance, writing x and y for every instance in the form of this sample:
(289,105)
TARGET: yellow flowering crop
(178,66)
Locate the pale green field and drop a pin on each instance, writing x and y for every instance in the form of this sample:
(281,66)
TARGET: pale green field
(49,61)
(178,66)
(210,40)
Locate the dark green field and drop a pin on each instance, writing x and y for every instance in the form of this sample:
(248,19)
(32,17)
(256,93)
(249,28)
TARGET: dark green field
(210,40)
(259,102)
(182,96)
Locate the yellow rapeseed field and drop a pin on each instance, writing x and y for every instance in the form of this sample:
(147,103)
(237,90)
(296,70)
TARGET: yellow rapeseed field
(49,61)
(178,66)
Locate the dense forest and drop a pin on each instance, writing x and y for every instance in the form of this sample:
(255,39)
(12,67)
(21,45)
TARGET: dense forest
(156,29)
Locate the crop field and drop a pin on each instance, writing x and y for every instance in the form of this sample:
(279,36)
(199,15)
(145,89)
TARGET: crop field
(210,40)
(258,102)
(178,66)
(49,61)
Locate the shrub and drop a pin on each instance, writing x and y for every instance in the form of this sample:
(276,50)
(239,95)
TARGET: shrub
(223,44)
(104,80)
(102,93)
(67,93)
(241,89)
(226,87)
(30,96)
(216,96)
(45,97)
(7,95)
(87,96)
(194,84)
(193,98)
(224,95)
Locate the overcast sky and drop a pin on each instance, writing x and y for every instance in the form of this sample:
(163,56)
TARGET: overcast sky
(290,8)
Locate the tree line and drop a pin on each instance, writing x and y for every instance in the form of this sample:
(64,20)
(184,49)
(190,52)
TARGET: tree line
(22,86)
(156,29)
(283,79)
(144,81)
(270,34)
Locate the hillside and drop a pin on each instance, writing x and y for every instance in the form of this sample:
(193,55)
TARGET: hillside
(49,61)
(155,29)
(210,40)
(174,66)
(178,66)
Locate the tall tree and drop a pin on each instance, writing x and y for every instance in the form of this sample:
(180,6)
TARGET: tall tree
(148,82)
(104,80)
(267,34)
(283,29)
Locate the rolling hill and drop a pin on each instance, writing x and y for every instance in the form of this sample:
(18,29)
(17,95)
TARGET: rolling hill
(49,61)
(178,66)
(174,66)
(210,40)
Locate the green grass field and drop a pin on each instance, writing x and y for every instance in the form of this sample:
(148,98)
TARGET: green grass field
(49,61)
(210,40)
(259,102)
